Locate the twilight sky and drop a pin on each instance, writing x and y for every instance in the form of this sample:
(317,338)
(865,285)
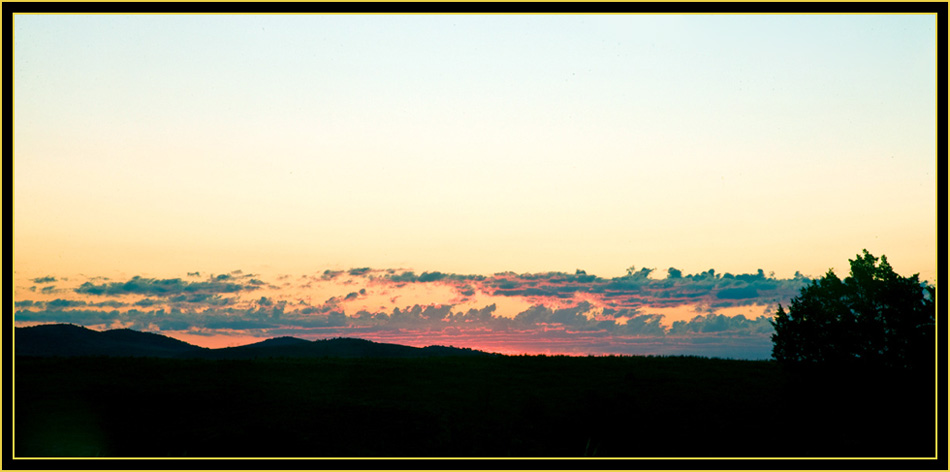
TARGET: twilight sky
(291,145)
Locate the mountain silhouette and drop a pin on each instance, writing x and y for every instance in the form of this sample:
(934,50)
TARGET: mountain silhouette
(339,347)
(68,340)
(64,340)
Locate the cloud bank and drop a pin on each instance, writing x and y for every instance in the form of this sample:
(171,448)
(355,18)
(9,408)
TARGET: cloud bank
(554,311)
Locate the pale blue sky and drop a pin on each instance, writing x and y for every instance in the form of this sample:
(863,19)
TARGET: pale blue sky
(474,144)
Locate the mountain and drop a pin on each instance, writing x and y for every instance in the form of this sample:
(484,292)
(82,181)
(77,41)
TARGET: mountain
(70,341)
(339,347)
(280,342)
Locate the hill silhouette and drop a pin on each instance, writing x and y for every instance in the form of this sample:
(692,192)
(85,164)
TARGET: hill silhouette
(65,340)
(339,347)
(68,340)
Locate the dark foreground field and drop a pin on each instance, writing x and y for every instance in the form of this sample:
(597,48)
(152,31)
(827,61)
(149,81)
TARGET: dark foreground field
(471,407)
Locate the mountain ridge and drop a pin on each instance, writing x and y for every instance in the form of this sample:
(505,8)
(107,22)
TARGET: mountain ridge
(68,340)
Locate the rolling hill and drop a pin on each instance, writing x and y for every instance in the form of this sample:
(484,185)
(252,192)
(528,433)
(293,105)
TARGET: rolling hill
(64,340)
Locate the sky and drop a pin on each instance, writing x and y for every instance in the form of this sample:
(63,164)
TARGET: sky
(276,148)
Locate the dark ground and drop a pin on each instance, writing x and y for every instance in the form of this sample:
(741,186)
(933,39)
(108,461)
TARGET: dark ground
(468,407)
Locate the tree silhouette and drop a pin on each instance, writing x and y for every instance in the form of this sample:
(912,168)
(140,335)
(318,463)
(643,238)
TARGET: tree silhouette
(873,317)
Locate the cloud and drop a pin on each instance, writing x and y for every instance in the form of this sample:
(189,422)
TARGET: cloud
(737,293)
(420,315)
(574,316)
(164,287)
(632,290)
(44,280)
(431,276)
(210,299)
(643,325)
(637,289)
(408,276)
(172,325)
(717,323)
(532,316)
(563,309)
(238,324)
(473,315)
(107,303)
(60,303)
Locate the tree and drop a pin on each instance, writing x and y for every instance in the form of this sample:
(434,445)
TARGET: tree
(873,317)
